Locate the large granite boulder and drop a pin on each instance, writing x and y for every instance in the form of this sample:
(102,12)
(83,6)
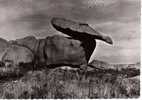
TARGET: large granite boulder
(79,30)
(55,50)
(16,54)
(62,50)
(29,41)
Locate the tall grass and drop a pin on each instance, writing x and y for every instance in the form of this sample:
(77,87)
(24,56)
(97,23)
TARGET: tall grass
(58,83)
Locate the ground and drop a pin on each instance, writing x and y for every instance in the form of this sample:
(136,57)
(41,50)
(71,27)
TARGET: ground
(66,83)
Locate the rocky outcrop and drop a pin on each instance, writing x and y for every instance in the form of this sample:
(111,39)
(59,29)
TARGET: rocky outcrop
(30,42)
(61,50)
(3,45)
(55,50)
(19,78)
(16,54)
(78,30)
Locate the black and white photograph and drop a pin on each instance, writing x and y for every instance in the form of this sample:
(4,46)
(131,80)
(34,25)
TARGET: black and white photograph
(70,49)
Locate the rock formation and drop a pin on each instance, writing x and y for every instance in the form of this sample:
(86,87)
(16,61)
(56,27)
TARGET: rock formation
(55,50)
(82,32)
(16,54)
(58,50)
(3,45)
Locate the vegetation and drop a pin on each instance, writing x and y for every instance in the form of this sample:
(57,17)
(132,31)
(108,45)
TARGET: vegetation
(66,83)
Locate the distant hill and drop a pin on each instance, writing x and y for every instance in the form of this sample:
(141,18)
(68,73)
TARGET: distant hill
(106,65)
(127,66)
(100,64)
(127,70)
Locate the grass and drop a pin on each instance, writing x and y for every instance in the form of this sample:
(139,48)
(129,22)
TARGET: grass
(59,83)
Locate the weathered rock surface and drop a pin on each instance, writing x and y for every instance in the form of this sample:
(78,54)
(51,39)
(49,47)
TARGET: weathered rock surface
(3,45)
(29,41)
(16,54)
(55,50)
(61,50)
(78,30)
(58,51)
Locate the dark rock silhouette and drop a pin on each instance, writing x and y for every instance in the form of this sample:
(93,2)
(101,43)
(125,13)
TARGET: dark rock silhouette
(78,30)
(82,32)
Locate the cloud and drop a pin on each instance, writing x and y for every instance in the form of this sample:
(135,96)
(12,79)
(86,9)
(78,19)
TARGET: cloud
(117,54)
(118,18)
(126,47)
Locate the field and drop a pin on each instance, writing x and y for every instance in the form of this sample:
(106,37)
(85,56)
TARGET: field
(72,83)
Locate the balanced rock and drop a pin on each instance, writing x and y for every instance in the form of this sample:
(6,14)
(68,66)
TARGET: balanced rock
(82,32)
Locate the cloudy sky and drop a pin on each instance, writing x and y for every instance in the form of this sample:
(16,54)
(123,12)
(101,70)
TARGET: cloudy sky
(118,18)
